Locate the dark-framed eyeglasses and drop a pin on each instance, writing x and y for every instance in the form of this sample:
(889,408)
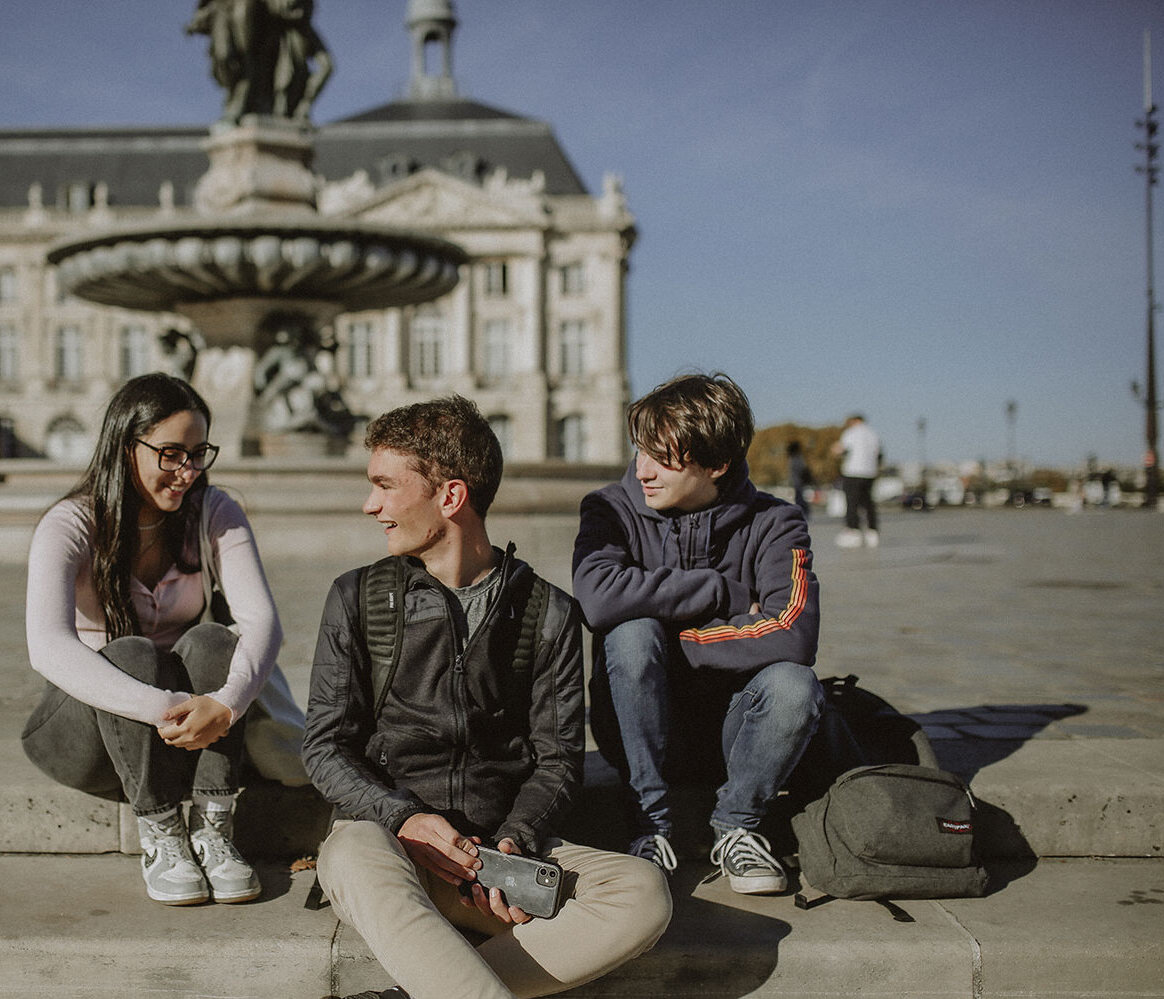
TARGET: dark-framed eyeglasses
(172,458)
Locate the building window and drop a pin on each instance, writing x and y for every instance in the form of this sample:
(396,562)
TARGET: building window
(67,441)
(7,284)
(572,437)
(7,437)
(79,197)
(464,164)
(67,354)
(495,349)
(428,346)
(495,278)
(573,279)
(9,353)
(395,166)
(360,350)
(575,348)
(502,427)
(134,354)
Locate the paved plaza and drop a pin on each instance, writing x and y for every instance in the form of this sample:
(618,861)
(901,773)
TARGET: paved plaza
(1030,643)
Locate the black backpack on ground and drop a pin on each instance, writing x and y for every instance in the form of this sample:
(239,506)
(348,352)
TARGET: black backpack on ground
(894,825)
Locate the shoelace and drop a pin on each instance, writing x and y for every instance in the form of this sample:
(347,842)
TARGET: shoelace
(744,849)
(219,825)
(656,848)
(169,838)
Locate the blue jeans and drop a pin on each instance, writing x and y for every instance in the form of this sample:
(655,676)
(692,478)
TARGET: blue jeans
(113,757)
(771,715)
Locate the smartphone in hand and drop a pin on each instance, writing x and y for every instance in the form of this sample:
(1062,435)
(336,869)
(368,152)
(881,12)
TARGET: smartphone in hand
(530,883)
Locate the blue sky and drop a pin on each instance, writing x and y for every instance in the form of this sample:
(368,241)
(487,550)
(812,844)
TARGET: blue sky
(915,209)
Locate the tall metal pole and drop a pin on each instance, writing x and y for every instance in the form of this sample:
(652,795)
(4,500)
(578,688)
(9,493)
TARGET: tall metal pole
(1150,147)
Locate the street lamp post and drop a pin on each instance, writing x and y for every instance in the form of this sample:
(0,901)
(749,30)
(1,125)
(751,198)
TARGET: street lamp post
(1150,148)
(1011,412)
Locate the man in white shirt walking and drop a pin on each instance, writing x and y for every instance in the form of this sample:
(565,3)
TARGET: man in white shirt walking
(860,448)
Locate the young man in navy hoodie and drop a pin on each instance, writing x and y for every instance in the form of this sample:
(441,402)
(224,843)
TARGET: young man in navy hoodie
(700,591)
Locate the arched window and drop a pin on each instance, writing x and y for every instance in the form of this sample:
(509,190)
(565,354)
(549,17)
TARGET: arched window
(67,441)
(571,442)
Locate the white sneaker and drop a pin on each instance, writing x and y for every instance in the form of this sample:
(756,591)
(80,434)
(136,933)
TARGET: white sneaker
(171,874)
(231,878)
(872,539)
(849,538)
(745,859)
(657,849)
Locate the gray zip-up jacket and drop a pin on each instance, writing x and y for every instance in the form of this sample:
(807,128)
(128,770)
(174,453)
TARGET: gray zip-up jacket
(459,735)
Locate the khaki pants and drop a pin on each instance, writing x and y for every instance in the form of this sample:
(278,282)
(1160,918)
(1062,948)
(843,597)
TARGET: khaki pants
(616,907)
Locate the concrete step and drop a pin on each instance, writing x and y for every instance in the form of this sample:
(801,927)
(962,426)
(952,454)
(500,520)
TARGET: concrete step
(82,928)
(1047,798)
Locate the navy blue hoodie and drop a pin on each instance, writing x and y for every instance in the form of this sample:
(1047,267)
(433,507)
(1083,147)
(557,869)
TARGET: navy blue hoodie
(702,572)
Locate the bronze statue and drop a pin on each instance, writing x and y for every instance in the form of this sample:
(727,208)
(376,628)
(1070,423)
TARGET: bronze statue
(265,54)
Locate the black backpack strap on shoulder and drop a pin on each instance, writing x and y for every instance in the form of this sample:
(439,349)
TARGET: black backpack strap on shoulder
(533,619)
(382,622)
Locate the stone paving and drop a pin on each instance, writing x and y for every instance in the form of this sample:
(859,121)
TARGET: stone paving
(1029,643)
(985,624)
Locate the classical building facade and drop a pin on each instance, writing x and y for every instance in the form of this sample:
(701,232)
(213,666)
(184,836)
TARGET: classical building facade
(534,332)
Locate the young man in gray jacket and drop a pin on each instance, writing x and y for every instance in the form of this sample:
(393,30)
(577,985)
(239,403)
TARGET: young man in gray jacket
(701,595)
(461,751)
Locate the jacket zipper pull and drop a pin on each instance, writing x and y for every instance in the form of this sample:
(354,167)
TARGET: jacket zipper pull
(459,664)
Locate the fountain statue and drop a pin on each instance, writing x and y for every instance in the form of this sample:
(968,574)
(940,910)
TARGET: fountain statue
(255,268)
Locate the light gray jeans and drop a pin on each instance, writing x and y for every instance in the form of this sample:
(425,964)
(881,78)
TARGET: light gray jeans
(616,907)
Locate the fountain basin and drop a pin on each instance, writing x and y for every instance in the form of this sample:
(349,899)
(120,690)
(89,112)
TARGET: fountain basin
(209,268)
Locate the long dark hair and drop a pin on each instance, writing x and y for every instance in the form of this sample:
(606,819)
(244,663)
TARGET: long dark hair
(107,488)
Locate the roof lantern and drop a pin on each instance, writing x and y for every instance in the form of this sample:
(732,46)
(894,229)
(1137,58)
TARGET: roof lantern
(431,23)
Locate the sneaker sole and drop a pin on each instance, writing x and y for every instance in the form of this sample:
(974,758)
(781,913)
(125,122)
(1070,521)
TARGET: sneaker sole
(249,895)
(178,899)
(743,885)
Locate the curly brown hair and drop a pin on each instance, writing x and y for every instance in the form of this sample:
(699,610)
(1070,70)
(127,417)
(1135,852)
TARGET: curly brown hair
(444,439)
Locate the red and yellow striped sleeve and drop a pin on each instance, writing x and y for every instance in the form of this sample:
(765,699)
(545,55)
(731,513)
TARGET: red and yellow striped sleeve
(783,621)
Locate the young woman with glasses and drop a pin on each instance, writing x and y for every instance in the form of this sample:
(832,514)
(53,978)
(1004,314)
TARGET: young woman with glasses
(146,695)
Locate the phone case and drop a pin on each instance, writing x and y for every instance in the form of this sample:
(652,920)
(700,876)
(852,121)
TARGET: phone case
(532,884)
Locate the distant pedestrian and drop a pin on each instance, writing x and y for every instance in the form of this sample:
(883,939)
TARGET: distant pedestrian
(800,475)
(860,451)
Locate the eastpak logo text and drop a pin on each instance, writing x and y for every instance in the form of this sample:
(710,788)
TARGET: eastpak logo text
(961,826)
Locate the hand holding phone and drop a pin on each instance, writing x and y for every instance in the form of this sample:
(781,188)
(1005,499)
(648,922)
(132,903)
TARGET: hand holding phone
(529,883)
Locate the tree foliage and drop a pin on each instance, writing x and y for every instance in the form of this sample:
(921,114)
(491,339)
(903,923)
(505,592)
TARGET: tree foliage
(768,455)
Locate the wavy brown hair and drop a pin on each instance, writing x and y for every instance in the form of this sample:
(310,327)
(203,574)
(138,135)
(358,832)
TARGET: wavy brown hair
(698,418)
(107,489)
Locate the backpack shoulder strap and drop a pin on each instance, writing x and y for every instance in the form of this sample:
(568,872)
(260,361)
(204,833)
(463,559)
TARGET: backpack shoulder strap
(533,618)
(382,622)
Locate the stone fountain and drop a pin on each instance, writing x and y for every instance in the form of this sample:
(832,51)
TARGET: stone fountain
(256,269)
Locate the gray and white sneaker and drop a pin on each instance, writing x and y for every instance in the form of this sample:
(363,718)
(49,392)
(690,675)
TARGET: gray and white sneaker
(231,878)
(656,848)
(745,859)
(171,874)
